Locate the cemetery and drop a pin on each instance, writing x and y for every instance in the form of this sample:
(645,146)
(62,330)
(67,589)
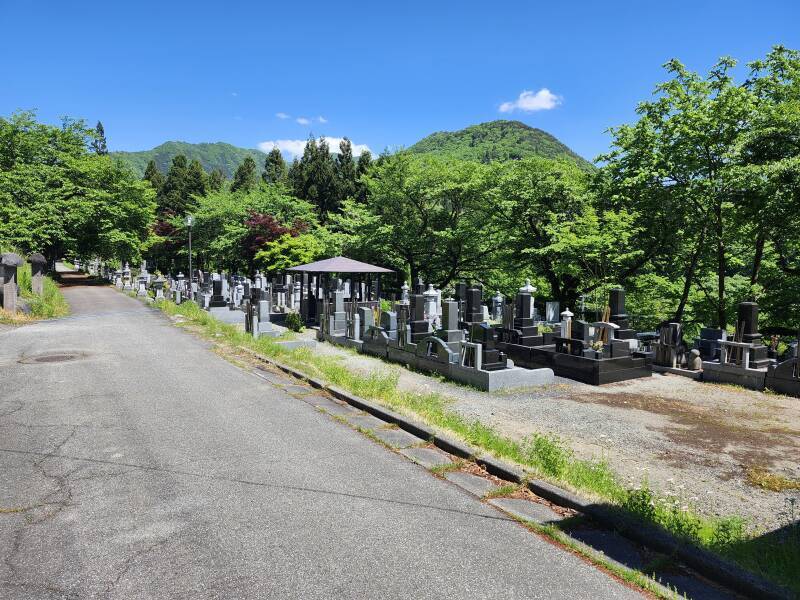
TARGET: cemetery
(488,344)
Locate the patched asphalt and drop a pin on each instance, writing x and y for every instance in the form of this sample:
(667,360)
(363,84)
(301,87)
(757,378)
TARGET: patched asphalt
(150,467)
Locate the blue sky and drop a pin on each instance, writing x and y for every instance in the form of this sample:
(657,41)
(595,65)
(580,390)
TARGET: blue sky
(384,74)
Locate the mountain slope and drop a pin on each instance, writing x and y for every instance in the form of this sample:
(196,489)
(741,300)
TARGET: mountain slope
(218,155)
(497,140)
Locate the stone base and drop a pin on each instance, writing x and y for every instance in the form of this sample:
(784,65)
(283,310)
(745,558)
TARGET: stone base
(781,378)
(224,314)
(513,377)
(753,379)
(696,375)
(594,371)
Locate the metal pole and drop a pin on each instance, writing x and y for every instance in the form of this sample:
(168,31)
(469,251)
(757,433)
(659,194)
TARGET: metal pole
(191,291)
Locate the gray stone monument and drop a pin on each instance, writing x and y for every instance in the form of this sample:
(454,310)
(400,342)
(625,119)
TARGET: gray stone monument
(9,263)
(38,268)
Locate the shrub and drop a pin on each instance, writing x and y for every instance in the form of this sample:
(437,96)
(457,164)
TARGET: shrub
(294,322)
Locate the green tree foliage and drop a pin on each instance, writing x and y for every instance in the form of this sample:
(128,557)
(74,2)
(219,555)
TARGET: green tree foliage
(313,178)
(275,170)
(245,179)
(549,225)
(98,143)
(708,172)
(184,181)
(289,251)
(345,172)
(422,215)
(154,176)
(216,180)
(60,199)
(221,235)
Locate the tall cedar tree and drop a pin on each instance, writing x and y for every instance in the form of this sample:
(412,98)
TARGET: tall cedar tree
(99,141)
(215,180)
(314,178)
(183,181)
(345,172)
(245,179)
(153,175)
(363,165)
(274,167)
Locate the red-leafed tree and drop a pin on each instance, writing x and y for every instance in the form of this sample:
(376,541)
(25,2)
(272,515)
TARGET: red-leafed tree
(265,228)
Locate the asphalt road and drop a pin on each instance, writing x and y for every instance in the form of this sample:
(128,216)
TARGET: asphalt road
(152,468)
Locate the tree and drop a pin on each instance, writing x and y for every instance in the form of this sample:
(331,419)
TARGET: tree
(674,167)
(245,179)
(153,175)
(274,167)
(221,235)
(313,178)
(98,142)
(548,226)
(423,215)
(215,180)
(58,198)
(345,172)
(195,184)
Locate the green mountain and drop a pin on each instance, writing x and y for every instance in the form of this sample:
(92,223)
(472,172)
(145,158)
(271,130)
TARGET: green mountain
(212,156)
(497,140)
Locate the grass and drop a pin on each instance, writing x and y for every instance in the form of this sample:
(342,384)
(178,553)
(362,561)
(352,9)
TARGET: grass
(50,305)
(764,479)
(546,456)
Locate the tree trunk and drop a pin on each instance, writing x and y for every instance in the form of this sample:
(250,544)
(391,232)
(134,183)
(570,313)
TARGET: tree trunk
(689,276)
(722,320)
(757,259)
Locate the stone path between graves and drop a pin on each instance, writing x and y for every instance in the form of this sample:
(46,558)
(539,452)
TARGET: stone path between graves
(136,463)
(689,440)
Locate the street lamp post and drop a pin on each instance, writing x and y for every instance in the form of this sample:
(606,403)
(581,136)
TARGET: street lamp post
(189,223)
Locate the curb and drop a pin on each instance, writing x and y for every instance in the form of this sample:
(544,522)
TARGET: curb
(704,562)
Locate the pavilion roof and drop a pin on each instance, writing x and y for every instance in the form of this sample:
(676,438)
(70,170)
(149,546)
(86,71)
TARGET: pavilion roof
(339,264)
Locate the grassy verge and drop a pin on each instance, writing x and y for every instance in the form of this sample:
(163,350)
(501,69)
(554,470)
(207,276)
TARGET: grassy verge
(775,556)
(50,305)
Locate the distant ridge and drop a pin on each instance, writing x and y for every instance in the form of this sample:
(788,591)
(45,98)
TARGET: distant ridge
(218,155)
(497,141)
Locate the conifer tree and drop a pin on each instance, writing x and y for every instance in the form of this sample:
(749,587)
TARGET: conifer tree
(98,144)
(274,167)
(245,177)
(215,180)
(153,175)
(195,182)
(171,196)
(345,172)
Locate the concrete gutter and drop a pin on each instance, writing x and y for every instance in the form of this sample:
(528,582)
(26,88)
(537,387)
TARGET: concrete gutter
(704,562)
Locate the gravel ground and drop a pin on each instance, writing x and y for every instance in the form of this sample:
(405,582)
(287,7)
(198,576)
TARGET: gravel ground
(694,441)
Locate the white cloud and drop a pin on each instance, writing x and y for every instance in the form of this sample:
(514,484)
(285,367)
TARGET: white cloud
(322,119)
(529,101)
(303,121)
(283,115)
(296,147)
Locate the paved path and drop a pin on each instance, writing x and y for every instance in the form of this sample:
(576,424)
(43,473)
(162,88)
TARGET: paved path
(152,468)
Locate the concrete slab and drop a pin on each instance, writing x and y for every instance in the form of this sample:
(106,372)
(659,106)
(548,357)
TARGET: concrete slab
(474,484)
(366,421)
(293,388)
(427,457)
(396,438)
(525,509)
(340,410)
(612,545)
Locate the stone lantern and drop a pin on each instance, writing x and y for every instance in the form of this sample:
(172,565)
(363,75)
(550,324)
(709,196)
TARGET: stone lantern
(158,286)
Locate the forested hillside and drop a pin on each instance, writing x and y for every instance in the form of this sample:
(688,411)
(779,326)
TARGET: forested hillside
(496,140)
(219,155)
